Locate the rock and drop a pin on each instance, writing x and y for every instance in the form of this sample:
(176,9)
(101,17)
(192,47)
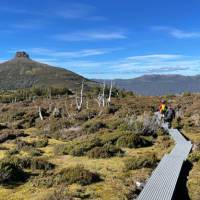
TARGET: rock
(21,54)
(139,185)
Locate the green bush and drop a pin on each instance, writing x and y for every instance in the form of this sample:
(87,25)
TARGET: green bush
(94,126)
(133,141)
(29,163)
(85,115)
(10,172)
(42,164)
(78,175)
(24,162)
(111,137)
(106,151)
(148,161)
(79,149)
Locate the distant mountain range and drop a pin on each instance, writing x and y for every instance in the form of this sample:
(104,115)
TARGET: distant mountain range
(23,72)
(159,84)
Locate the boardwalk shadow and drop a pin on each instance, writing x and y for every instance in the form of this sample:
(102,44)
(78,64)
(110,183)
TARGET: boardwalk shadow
(184,135)
(181,191)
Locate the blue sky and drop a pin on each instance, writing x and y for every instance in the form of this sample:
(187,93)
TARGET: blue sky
(105,38)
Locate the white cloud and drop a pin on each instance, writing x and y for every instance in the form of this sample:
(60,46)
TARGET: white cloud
(177,33)
(66,11)
(29,24)
(127,68)
(70,54)
(155,56)
(78,11)
(91,35)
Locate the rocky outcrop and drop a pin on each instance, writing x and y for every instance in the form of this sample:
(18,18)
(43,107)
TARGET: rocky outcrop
(21,54)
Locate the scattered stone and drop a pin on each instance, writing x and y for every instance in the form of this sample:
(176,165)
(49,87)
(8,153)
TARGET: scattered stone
(139,185)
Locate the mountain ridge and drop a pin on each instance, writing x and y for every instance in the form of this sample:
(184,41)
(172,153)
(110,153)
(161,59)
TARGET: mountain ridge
(158,84)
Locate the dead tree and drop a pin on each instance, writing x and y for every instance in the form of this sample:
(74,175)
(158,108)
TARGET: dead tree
(101,97)
(40,113)
(103,94)
(79,104)
(110,94)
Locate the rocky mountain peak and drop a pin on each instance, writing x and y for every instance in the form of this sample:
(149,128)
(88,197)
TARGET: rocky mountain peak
(21,54)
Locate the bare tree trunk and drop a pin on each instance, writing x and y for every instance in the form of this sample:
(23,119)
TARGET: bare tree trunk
(110,93)
(103,94)
(79,104)
(40,114)
(101,97)
(99,100)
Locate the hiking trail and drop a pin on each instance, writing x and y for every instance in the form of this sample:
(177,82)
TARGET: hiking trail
(163,181)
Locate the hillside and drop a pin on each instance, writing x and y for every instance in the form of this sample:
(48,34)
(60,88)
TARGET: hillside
(93,153)
(160,84)
(23,72)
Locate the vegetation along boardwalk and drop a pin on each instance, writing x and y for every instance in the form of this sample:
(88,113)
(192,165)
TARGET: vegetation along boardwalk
(162,183)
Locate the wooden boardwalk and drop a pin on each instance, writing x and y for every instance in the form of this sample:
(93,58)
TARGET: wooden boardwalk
(162,183)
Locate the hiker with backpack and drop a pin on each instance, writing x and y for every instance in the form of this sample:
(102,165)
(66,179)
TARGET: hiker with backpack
(169,116)
(163,109)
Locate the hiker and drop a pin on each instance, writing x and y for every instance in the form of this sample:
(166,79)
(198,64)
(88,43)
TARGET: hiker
(163,109)
(169,116)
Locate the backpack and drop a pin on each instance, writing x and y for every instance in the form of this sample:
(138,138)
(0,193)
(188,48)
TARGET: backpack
(163,108)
